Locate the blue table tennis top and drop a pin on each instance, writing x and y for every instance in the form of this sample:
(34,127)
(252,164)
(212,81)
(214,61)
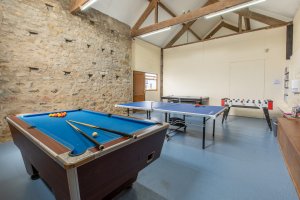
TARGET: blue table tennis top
(59,130)
(181,108)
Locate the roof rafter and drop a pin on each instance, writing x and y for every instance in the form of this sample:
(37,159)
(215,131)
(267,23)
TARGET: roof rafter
(214,30)
(260,17)
(76,4)
(240,23)
(221,24)
(195,34)
(193,15)
(164,7)
(156,13)
(145,14)
(180,33)
(247,31)
(247,22)
(187,26)
(231,27)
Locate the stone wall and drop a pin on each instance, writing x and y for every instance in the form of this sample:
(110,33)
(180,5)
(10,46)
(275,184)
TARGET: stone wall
(52,60)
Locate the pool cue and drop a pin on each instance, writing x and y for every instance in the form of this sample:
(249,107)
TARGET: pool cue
(105,129)
(99,145)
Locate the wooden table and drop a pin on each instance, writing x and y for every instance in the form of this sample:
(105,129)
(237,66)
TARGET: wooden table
(289,140)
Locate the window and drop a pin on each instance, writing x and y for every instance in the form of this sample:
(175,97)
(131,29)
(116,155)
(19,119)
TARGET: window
(151,81)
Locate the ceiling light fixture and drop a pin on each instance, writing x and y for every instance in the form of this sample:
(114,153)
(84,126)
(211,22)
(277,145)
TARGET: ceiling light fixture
(155,32)
(87,4)
(244,5)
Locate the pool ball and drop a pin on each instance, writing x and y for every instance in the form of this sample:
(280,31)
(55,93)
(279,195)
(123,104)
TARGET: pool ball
(95,134)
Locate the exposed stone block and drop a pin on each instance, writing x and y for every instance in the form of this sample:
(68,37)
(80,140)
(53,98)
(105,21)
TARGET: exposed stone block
(54,60)
(49,6)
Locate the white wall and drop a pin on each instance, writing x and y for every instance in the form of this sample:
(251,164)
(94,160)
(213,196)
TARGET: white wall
(205,68)
(294,63)
(146,58)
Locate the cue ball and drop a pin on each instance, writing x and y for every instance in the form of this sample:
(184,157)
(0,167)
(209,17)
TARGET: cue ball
(95,134)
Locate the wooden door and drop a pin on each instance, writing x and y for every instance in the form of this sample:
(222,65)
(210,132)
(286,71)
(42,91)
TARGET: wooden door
(138,86)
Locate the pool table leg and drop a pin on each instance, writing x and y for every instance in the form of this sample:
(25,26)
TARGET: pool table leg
(34,174)
(131,181)
(127,185)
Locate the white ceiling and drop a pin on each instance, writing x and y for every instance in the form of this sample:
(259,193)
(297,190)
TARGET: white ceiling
(129,11)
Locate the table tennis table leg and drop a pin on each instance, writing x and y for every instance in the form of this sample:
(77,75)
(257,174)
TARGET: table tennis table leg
(166,117)
(203,139)
(148,114)
(128,111)
(184,129)
(214,124)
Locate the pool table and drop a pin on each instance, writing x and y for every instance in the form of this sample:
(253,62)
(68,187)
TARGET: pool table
(72,164)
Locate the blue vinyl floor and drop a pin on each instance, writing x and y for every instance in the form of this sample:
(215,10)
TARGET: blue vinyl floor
(244,162)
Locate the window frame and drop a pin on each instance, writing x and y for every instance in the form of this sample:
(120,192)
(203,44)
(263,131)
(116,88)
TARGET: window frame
(156,79)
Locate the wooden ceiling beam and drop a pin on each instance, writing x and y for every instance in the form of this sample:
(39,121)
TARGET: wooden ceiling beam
(240,23)
(180,33)
(76,4)
(195,34)
(187,26)
(164,7)
(156,13)
(247,22)
(247,31)
(231,27)
(261,18)
(221,24)
(144,16)
(193,15)
(214,30)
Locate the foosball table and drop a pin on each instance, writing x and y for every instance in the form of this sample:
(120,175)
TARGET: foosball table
(265,105)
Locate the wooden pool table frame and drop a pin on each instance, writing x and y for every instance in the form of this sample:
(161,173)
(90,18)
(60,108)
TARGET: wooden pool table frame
(93,175)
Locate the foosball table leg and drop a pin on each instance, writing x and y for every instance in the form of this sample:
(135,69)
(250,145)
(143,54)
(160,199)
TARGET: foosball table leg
(225,114)
(266,112)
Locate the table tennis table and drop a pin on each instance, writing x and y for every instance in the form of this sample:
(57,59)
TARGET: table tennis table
(206,112)
(186,99)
